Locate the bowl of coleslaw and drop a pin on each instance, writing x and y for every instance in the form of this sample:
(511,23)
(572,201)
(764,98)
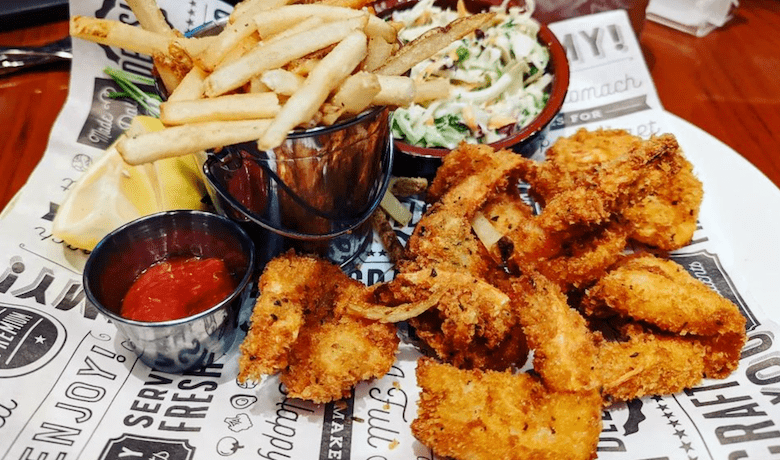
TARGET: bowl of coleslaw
(508,82)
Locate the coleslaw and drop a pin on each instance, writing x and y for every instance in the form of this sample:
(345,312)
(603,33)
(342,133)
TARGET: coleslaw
(497,75)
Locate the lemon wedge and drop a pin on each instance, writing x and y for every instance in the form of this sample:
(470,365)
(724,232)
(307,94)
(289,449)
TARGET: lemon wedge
(112,193)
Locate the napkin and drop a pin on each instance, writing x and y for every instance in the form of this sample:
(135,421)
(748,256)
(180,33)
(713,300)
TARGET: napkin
(696,17)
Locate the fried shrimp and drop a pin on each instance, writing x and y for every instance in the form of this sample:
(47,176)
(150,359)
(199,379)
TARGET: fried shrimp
(301,328)
(489,415)
(472,324)
(564,347)
(600,193)
(486,279)
(661,216)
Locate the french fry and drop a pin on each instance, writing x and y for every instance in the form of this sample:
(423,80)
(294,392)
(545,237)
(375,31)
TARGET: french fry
(379,28)
(352,97)
(329,113)
(282,81)
(431,90)
(241,48)
(255,85)
(431,42)
(231,76)
(228,39)
(326,60)
(354,4)
(357,92)
(250,8)
(403,187)
(381,224)
(168,73)
(302,66)
(186,139)
(379,51)
(396,91)
(195,47)
(151,17)
(274,21)
(328,74)
(231,107)
(306,24)
(190,87)
(115,33)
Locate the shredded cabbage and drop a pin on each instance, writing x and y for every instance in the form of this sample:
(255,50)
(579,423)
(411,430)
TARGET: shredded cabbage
(498,78)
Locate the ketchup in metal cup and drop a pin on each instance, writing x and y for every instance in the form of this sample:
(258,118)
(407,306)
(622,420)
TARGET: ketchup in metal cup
(177,287)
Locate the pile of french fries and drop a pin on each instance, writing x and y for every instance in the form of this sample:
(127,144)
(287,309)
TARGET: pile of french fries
(274,67)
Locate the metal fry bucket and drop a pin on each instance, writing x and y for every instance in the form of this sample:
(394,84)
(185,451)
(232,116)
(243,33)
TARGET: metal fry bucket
(314,193)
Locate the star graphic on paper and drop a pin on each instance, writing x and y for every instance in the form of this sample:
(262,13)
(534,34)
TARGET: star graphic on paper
(686,446)
(668,414)
(663,407)
(40,339)
(680,433)
(674,423)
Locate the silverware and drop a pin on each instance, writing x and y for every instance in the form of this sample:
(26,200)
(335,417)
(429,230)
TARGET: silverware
(16,59)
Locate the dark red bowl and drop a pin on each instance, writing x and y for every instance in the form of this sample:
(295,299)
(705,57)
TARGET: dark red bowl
(411,160)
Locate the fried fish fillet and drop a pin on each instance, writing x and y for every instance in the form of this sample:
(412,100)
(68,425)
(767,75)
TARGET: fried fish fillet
(472,324)
(301,327)
(646,364)
(601,193)
(665,217)
(476,415)
(660,292)
(564,347)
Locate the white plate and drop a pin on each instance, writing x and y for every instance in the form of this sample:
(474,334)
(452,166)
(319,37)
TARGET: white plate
(742,206)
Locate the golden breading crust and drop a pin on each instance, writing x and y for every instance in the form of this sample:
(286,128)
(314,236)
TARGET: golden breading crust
(280,311)
(664,216)
(601,193)
(661,293)
(564,347)
(492,415)
(328,359)
(649,364)
(300,327)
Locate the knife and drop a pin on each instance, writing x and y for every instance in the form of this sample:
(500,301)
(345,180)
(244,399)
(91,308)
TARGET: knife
(16,59)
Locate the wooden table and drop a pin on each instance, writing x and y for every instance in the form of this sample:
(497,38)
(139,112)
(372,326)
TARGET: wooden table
(726,83)
(29,104)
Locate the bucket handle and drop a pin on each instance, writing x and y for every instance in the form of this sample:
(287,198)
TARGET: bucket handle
(387,161)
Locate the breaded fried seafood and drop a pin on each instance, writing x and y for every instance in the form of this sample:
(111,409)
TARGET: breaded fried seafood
(662,294)
(665,194)
(603,326)
(476,415)
(302,329)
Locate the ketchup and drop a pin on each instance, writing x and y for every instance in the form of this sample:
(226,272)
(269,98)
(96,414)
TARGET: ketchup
(176,288)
